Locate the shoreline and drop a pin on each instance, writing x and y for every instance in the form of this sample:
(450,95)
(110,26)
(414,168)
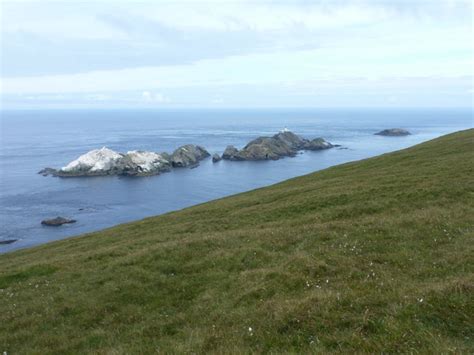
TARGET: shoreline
(378,233)
(72,236)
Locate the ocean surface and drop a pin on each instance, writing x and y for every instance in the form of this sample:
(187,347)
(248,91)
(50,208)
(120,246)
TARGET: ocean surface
(34,139)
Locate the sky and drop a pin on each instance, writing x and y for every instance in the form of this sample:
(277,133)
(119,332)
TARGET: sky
(184,53)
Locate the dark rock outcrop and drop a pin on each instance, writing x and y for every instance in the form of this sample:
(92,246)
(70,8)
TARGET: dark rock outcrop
(293,141)
(7,241)
(282,144)
(47,171)
(58,221)
(216,158)
(188,155)
(317,144)
(266,148)
(393,132)
(230,153)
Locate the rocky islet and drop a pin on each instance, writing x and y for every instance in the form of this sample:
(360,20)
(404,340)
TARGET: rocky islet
(282,144)
(105,161)
(393,132)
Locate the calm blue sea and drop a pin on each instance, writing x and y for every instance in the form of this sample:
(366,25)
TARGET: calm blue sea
(32,140)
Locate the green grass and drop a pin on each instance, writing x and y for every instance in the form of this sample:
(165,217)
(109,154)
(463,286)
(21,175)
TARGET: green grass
(370,256)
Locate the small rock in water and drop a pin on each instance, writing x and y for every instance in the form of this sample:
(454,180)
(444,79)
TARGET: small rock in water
(216,157)
(47,171)
(393,132)
(8,241)
(58,221)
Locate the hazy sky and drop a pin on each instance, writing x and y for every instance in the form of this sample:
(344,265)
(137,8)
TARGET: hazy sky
(237,53)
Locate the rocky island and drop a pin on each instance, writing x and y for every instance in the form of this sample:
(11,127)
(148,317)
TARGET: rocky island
(105,161)
(58,221)
(282,144)
(393,132)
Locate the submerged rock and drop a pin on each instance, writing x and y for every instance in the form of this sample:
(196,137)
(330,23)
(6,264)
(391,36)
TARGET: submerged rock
(216,158)
(188,155)
(393,132)
(58,221)
(282,144)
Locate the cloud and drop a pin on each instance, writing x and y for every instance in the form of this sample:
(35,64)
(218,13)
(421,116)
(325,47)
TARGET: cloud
(355,92)
(98,97)
(74,37)
(103,51)
(154,97)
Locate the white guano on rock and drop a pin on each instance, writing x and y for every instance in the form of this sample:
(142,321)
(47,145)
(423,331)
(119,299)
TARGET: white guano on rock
(95,160)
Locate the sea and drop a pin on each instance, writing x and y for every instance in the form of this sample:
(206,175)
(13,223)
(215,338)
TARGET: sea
(33,139)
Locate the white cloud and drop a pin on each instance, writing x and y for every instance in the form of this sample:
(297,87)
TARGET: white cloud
(98,97)
(146,95)
(154,97)
(262,17)
(95,49)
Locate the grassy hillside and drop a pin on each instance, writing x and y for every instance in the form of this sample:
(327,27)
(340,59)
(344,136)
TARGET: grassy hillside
(376,255)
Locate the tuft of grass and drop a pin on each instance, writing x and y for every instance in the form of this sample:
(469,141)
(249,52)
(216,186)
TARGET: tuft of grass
(370,256)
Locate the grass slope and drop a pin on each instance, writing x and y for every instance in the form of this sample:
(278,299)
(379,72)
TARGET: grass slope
(371,256)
